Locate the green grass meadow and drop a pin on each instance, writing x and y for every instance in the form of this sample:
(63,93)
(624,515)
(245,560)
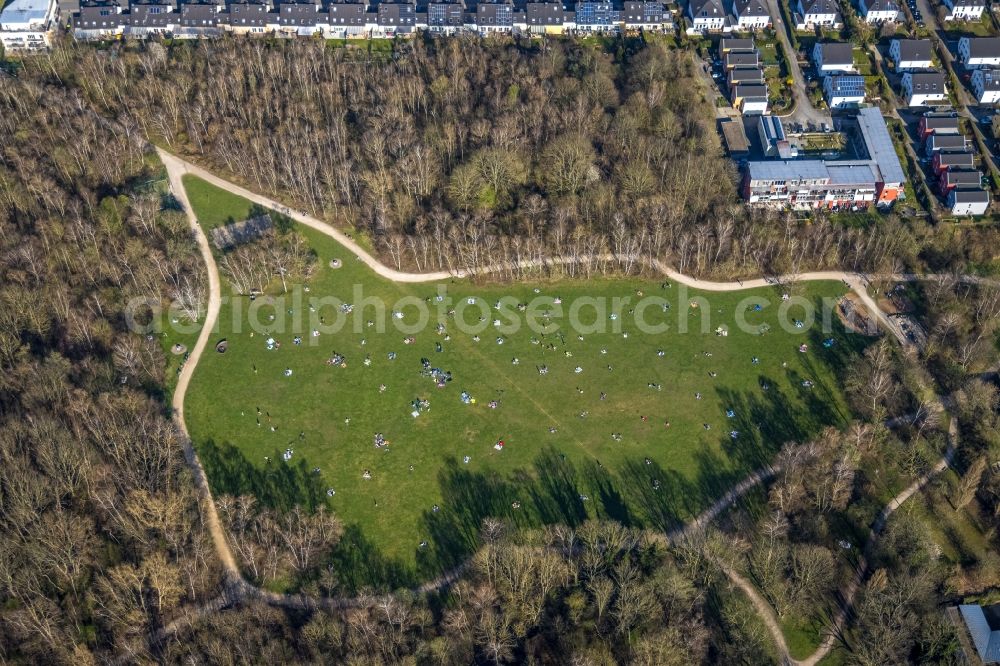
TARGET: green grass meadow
(562,459)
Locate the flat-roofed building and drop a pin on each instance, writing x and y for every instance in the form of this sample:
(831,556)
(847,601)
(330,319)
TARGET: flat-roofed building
(26,25)
(736,139)
(983,622)
(879,179)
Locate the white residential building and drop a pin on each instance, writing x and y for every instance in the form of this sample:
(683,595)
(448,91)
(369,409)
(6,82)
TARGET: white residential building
(968,201)
(923,88)
(751,15)
(843,91)
(879,11)
(27,24)
(910,54)
(986,85)
(812,14)
(835,57)
(964,10)
(750,98)
(975,52)
(707,16)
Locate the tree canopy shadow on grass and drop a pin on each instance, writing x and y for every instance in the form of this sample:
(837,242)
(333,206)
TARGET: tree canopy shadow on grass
(554,489)
(280,485)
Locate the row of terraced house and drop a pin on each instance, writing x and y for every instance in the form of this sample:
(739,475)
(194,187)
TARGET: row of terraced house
(108,19)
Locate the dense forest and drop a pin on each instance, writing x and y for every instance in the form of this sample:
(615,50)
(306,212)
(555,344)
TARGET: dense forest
(100,529)
(451,151)
(464,152)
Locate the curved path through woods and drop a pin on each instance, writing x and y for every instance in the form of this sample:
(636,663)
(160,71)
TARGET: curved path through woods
(861,569)
(237,588)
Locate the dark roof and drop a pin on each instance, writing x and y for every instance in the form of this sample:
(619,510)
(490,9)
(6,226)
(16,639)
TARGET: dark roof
(820,6)
(638,12)
(99,16)
(756,91)
(750,8)
(950,158)
(445,13)
(346,13)
(252,14)
(296,13)
(730,44)
(707,9)
(963,177)
(837,54)
(494,13)
(947,142)
(199,14)
(984,47)
(146,15)
(754,74)
(544,13)
(396,14)
(881,6)
(915,49)
(941,121)
(992,615)
(970,195)
(742,59)
(927,82)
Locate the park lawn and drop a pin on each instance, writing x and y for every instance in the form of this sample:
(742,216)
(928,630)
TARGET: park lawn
(656,476)
(802,635)
(214,206)
(954,532)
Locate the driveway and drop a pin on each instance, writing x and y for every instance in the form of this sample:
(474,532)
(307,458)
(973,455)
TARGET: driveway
(804,112)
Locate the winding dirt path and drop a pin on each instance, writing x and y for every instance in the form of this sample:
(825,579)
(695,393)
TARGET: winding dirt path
(861,570)
(237,589)
(187,371)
